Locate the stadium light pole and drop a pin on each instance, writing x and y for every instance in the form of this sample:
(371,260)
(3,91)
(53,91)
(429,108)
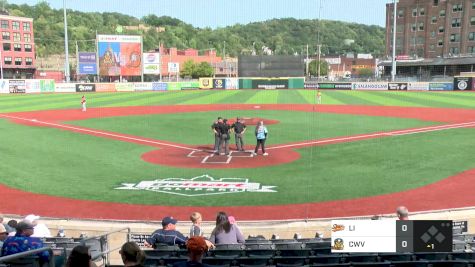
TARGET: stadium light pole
(66,47)
(393,67)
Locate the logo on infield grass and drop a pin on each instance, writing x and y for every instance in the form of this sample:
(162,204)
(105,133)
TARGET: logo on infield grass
(203,185)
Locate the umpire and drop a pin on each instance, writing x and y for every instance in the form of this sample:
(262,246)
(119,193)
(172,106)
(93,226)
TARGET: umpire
(239,129)
(214,127)
(223,130)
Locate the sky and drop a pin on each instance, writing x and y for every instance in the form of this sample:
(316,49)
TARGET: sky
(222,13)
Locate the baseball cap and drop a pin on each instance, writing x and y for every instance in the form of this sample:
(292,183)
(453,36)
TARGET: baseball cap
(32,218)
(197,244)
(2,228)
(167,220)
(23,225)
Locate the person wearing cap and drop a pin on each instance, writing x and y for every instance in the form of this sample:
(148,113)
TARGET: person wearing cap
(168,235)
(196,247)
(41,230)
(3,236)
(239,128)
(23,241)
(216,133)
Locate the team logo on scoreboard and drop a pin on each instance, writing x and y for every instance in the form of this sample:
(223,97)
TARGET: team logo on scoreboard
(203,185)
(338,227)
(338,244)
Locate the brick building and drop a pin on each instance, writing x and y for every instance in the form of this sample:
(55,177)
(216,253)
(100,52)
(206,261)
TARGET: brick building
(17,47)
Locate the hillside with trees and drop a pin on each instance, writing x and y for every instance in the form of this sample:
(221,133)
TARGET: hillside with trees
(281,36)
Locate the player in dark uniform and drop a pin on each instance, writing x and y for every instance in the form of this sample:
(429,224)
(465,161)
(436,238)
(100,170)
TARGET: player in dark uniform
(239,129)
(216,133)
(223,130)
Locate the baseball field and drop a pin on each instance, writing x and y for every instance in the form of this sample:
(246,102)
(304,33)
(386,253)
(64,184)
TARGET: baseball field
(143,155)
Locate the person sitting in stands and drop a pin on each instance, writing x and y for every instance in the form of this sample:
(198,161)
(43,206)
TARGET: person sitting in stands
(168,235)
(225,232)
(197,247)
(80,257)
(402,213)
(41,230)
(23,241)
(132,255)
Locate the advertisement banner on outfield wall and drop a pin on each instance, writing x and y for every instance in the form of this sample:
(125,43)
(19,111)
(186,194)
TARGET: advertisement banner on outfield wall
(65,87)
(174,86)
(232,83)
(270,84)
(189,85)
(370,86)
(85,87)
(397,86)
(32,86)
(17,86)
(143,87)
(105,87)
(47,86)
(441,86)
(333,86)
(151,63)
(4,88)
(461,83)
(159,86)
(418,86)
(219,83)
(124,87)
(206,83)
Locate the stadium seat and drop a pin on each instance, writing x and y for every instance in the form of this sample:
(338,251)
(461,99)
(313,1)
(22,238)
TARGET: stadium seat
(227,251)
(410,263)
(29,261)
(396,256)
(317,244)
(260,246)
(257,241)
(326,259)
(361,258)
(432,256)
(461,256)
(455,263)
(330,265)
(372,264)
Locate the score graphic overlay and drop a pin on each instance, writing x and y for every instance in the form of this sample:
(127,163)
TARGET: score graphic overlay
(391,236)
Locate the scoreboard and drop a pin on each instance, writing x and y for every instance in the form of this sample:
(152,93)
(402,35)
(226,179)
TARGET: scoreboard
(391,236)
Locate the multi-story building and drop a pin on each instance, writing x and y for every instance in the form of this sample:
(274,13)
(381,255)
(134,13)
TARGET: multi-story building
(431,28)
(17,48)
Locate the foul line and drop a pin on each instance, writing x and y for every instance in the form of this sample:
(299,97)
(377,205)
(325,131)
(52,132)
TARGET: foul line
(392,133)
(97,132)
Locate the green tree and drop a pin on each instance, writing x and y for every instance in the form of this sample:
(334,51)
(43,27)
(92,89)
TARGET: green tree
(204,69)
(313,68)
(365,72)
(188,69)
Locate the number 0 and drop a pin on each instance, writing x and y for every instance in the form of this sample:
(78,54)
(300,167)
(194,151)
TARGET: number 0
(404,228)
(404,244)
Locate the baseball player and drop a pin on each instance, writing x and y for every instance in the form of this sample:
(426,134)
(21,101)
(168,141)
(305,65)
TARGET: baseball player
(83,103)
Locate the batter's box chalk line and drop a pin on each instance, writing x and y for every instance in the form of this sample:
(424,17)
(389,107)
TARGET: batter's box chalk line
(207,161)
(199,153)
(242,154)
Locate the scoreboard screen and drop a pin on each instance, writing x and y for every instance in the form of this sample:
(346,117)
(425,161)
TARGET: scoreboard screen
(391,236)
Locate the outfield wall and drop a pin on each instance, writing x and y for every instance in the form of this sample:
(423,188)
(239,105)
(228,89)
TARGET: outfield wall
(21,86)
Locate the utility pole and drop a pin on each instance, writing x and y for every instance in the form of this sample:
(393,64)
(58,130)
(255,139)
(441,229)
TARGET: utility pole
(77,60)
(319,56)
(66,47)
(306,64)
(318,38)
(224,59)
(393,68)
(160,59)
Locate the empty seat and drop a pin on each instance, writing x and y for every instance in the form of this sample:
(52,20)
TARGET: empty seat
(372,264)
(326,259)
(227,251)
(432,256)
(371,257)
(449,263)
(461,256)
(330,265)
(410,263)
(396,256)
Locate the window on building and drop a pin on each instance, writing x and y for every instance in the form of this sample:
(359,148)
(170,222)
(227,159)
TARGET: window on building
(414,12)
(7,47)
(398,42)
(442,13)
(471,36)
(473,4)
(472,21)
(421,26)
(18,61)
(471,49)
(456,23)
(27,37)
(455,37)
(17,47)
(435,3)
(7,60)
(441,29)
(6,36)
(454,50)
(28,61)
(457,8)
(413,27)
(420,52)
(432,47)
(5,24)
(440,42)
(432,34)
(26,27)
(421,40)
(434,19)
(16,25)
(400,13)
(422,12)
(28,48)
(400,28)
(16,37)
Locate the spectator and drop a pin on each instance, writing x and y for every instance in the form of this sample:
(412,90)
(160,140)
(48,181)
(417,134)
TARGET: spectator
(80,257)
(197,247)
(402,213)
(11,229)
(261,136)
(224,232)
(196,219)
(41,230)
(168,235)
(3,236)
(23,241)
(132,255)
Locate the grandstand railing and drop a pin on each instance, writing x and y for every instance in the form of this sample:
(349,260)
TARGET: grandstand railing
(21,255)
(99,245)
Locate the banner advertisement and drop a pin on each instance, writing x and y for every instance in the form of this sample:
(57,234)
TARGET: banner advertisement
(159,86)
(441,86)
(173,86)
(173,67)
(17,86)
(47,86)
(65,87)
(232,83)
(461,83)
(310,85)
(105,87)
(143,87)
(336,86)
(151,63)
(397,86)
(206,83)
(418,86)
(370,86)
(270,84)
(124,87)
(4,88)
(119,55)
(32,86)
(87,63)
(85,87)
(190,85)
(219,83)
